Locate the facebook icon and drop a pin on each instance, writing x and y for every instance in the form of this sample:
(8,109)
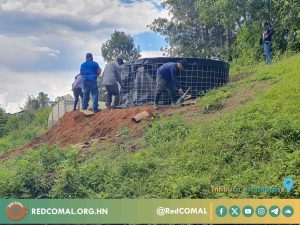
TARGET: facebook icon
(221,211)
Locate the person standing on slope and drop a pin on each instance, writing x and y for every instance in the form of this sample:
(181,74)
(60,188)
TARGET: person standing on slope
(266,41)
(77,87)
(111,78)
(90,71)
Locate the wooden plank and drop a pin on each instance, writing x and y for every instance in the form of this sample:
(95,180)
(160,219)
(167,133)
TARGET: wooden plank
(87,112)
(140,116)
(189,102)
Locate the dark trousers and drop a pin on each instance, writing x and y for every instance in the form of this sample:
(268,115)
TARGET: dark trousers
(161,85)
(77,92)
(90,87)
(112,90)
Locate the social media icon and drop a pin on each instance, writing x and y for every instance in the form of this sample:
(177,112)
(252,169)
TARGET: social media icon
(248,211)
(274,211)
(234,211)
(261,211)
(287,211)
(221,211)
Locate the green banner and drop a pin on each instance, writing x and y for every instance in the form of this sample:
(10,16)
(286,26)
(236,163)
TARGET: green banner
(163,211)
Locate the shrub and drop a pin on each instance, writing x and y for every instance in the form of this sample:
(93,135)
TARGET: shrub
(165,130)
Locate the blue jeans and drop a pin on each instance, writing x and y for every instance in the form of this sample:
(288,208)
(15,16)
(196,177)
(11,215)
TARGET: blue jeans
(90,87)
(77,92)
(267,49)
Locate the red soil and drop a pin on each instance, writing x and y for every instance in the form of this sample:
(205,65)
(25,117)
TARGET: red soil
(75,127)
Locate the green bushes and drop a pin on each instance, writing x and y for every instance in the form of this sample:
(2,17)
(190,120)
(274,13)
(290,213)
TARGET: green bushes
(33,175)
(246,49)
(165,130)
(23,128)
(67,184)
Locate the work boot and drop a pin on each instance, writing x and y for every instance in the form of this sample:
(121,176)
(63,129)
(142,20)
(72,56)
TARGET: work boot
(96,110)
(155,107)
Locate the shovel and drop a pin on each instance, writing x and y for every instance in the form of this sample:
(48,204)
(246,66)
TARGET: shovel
(181,99)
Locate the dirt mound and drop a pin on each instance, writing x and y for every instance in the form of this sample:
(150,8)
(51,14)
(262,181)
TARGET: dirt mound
(75,127)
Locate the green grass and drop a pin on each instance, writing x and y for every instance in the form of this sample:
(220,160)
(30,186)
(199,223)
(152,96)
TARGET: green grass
(256,144)
(23,128)
(124,131)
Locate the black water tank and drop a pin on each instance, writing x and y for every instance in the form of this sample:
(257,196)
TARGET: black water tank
(139,77)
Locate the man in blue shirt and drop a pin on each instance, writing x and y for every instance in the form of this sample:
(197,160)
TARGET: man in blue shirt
(166,79)
(90,71)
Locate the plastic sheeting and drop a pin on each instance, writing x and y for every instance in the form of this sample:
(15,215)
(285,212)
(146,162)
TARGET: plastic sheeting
(139,79)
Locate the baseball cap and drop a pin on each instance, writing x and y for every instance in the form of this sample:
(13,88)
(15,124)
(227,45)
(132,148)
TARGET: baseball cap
(119,60)
(183,62)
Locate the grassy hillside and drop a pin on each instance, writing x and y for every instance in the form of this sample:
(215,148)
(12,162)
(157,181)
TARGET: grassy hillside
(23,128)
(246,133)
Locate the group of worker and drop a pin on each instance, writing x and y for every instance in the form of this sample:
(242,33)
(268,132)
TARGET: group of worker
(85,83)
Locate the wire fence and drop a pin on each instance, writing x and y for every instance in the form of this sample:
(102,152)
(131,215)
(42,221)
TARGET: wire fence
(139,79)
(59,111)
(64,106)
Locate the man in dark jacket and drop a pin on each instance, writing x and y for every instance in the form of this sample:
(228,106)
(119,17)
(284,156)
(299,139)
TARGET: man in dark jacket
(90,71)
(166,80)
(111,78)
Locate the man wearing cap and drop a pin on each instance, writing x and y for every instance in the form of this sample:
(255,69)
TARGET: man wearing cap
(166,79)
(111,78)
(90,71)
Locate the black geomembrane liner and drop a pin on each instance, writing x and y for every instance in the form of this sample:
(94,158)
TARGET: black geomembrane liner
(139,79)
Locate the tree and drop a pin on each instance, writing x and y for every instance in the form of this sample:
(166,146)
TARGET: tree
(31,104)
(120,45)
(187,34)
(43,100)
(229,29)
(3,121)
